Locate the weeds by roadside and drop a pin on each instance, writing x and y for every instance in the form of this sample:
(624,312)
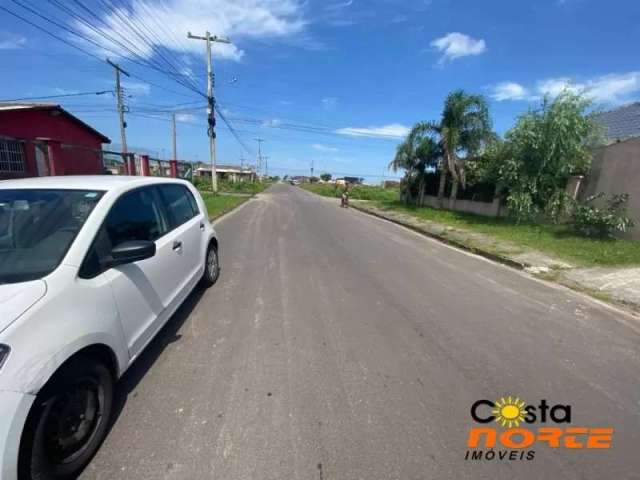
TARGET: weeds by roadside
(357,192)
(556,240)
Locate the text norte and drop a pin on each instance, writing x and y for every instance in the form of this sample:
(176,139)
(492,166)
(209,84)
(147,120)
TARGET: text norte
(512,412)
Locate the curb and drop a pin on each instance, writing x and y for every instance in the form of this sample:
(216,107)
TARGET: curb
(454,243)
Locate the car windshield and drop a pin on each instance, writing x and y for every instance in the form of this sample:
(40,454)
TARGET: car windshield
(37,226)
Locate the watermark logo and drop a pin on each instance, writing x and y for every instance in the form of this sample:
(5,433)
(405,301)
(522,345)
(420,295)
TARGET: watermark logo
(524,427)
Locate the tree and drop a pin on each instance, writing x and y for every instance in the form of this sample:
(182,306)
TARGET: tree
(325,177)
(418,151)
(544,148)
(465,127)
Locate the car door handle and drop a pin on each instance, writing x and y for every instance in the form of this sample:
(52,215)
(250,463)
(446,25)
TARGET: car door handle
(202,226)
(177,245)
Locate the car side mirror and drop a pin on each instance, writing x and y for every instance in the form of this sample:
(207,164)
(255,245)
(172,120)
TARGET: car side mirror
(132,251)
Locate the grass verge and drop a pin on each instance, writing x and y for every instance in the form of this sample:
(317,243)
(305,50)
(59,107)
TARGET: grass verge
(357,192)
(218,205)
(247,188)
(555,240)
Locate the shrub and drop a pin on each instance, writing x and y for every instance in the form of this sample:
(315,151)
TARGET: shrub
(593,221)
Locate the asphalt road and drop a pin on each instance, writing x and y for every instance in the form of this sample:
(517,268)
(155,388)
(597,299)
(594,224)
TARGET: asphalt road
(339,346)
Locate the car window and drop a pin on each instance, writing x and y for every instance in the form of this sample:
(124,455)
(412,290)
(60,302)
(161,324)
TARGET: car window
(177,203)
(136,216)
(37,227)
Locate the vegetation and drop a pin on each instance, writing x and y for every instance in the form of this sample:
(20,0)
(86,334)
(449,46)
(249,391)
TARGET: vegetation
(325,177)
(559,241)
(539,154)
(224,186)
(464,129)
(356,192)
(218,205)
(592,221)
(414,155)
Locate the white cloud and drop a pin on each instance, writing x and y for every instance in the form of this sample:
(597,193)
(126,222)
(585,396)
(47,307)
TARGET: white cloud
(237,20)
(456,45)
(509,91)
(271,123)
(394,130)
(136,89)
(12,42)
(329,103)
(323,148)
(606,89)
(185,117)
(339,5)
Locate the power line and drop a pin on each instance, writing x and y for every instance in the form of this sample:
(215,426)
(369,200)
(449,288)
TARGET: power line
(144,63)
(79,94)
(232,130)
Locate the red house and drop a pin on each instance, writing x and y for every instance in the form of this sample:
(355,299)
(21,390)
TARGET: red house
(44,139)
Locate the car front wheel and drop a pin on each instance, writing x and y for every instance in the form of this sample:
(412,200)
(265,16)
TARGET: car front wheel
(68,421)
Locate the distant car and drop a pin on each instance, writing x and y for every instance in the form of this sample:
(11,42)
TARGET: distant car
(91,268)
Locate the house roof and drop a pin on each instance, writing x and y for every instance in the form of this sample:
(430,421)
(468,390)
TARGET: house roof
(227,169)
(8,107)
(621,123)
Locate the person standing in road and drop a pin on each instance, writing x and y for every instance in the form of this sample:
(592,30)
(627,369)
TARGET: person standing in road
(344,202)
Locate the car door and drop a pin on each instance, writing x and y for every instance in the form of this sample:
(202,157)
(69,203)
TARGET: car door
(143,290)
(187,224)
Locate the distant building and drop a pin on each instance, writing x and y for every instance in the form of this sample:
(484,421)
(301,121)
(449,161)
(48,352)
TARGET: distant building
(354,180)
(40,139)
(231,173)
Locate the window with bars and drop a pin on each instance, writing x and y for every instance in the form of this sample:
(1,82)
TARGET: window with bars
(11,156)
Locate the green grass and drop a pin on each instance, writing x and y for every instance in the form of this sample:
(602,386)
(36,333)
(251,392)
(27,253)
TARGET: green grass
(218,205)
(358,192)
(555,240)
(248,188)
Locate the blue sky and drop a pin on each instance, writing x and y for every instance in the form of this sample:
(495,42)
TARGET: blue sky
(334,82)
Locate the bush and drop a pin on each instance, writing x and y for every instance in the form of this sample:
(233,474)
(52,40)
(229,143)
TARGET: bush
(591,221)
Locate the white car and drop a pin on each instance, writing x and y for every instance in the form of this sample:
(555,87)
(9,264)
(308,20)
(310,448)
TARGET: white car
(91,268)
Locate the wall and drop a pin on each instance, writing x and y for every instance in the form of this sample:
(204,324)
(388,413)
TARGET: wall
(32,124)
(486,209)
(616,169)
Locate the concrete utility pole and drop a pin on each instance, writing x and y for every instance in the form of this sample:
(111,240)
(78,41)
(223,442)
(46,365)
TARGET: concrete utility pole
(312,168)
(208,38)
(266,165)
(173,132)
(259,159)
(123,124)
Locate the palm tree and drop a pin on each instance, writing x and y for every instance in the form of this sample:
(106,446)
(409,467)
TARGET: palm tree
(464,128)
(418,151)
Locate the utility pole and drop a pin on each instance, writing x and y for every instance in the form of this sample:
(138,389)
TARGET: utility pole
(123,124)
(259,159)
(312,168)
(175,147)
(266,165)
(211,102)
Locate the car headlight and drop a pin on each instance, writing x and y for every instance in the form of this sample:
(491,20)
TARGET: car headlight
(4,353)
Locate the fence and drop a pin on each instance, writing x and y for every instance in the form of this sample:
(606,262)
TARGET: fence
(117,163)
(20,157)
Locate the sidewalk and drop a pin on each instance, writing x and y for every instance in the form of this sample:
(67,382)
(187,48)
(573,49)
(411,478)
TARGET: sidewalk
(620,286)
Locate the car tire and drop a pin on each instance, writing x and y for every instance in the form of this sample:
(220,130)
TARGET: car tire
(211,267)
(67,422)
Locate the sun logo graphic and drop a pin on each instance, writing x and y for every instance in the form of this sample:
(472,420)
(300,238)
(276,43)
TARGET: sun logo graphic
(509,412)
